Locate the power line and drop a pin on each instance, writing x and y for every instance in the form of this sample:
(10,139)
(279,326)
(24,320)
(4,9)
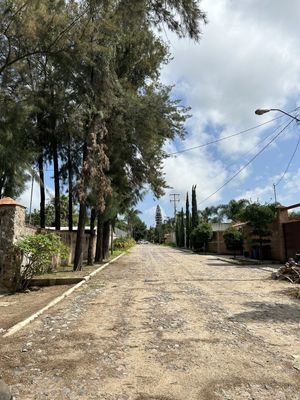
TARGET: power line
(227,137)
(257,144)
(289,163)
(248,163)
(221,139)
(254,147)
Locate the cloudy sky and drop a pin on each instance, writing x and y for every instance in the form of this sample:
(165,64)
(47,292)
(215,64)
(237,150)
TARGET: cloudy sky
(248,58)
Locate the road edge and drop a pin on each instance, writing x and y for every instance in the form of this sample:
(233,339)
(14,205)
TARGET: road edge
(20,325)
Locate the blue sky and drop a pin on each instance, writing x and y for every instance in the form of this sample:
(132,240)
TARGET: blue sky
(248,58)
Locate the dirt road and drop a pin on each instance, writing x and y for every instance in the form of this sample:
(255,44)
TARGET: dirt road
(161,324)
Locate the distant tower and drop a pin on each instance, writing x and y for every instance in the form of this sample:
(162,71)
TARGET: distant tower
(158,216)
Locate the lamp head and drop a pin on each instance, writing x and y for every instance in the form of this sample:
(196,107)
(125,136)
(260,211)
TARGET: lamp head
(261,111)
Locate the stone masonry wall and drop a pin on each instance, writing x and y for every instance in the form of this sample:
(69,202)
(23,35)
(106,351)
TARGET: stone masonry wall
(12,222)
(13,228)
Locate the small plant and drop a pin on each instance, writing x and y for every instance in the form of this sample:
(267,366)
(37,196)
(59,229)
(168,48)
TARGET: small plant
(38,251)
(124,243)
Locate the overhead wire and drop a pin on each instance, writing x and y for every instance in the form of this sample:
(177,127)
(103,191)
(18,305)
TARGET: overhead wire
(248,163)
(289,163)
(221,139)
(228,137)
(256,145)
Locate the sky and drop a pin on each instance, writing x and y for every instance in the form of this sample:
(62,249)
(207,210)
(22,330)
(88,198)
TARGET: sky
(248,58)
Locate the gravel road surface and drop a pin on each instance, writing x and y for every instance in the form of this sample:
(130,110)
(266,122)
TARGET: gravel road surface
(162,324)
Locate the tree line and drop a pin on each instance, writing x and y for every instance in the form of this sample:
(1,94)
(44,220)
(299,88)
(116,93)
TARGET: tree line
(80,93)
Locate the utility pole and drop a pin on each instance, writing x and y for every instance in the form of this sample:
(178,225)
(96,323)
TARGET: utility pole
(275,197)
(175,198)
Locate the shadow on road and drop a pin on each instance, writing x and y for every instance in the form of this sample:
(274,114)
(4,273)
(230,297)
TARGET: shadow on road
(271,312)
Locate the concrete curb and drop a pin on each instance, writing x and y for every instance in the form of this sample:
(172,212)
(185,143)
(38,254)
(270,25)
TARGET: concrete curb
(11,331)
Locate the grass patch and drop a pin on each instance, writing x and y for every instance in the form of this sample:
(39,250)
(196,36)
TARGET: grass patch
(116,253)
(66,271)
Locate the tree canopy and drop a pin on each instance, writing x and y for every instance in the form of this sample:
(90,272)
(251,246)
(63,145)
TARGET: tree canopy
(80,91)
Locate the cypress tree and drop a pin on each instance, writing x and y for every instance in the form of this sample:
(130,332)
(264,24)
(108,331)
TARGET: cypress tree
(195,217)
(158,217)
(181,229)
(158,221)
(177,231)
(187,221)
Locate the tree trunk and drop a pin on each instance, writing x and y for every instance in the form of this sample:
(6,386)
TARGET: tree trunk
(99,244)
(112,236)
(2,182)
(42,192)
(70,189)
(80,238)
(56,186)
(106,232)
(90,260)
(81,221)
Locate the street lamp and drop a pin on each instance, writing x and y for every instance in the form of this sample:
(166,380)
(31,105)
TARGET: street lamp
(262,111)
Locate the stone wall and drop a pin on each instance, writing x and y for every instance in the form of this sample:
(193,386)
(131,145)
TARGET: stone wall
(13,228)
(12,223)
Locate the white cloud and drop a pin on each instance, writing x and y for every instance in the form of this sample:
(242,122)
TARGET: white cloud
(261,194)
(285,190)
(240,64)
(248,58)
(194,168)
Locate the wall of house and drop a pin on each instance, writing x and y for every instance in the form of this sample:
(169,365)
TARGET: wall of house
(291,231)
(277,242)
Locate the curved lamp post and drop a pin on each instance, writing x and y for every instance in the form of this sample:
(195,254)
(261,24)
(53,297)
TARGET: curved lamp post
(262,111)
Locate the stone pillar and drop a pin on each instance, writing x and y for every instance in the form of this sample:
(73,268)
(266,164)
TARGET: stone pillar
(12,224)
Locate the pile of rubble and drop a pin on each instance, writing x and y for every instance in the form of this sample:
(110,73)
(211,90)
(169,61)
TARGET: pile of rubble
(290,271)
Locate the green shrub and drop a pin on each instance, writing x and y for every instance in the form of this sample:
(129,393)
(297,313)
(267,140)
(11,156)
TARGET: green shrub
(38,251)
(200,236)
(233,239)
(123,243)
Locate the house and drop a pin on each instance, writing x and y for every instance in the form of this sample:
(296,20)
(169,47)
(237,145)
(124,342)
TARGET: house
(217,244)
(284,240)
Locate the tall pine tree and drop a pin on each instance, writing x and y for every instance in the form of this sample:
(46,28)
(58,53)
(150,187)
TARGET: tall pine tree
(158,217)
